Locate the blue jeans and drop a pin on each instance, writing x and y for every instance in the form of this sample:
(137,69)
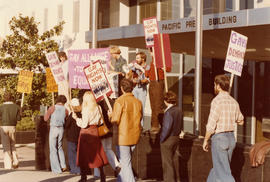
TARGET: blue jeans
(222,147)
(57,157)
(124,156)
(72,156)
(140,93)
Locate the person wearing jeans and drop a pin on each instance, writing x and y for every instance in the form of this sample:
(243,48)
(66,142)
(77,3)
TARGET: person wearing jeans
(127,113)
(57,115)
(224,114)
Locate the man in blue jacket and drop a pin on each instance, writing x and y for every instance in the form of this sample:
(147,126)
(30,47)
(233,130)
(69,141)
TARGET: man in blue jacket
(169,138)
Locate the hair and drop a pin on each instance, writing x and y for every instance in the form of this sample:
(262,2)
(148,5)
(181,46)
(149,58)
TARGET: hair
(115,50)
(8,97)
(62,54)
(142,54)
(170,97)
(223,81)
(61,98)
(127,85)
(89,102)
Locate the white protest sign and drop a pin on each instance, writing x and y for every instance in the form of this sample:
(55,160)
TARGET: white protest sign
(236,53)
(55,66)
(150,28)
(97,80)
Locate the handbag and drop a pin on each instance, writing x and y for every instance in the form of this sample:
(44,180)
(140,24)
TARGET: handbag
(102,128)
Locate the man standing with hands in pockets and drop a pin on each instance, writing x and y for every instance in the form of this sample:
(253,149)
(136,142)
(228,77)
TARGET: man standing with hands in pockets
(224,114)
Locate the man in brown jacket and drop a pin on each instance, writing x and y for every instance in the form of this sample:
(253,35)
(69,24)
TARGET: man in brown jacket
(127,113)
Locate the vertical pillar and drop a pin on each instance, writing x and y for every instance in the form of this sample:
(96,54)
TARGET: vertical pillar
(253,118)
(198,66)
(94,23)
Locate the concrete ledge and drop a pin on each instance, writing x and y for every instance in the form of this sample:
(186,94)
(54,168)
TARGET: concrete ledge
(24,137)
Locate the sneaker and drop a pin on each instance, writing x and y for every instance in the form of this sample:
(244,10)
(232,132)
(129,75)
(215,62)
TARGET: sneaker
(64,170)
(117,171)
(154,131)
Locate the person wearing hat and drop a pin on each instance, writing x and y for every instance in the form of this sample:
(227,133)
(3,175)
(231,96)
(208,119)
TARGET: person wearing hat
(72,134)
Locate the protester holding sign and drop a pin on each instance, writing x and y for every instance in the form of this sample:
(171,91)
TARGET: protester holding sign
(90,150)
(156,93)
(10,113)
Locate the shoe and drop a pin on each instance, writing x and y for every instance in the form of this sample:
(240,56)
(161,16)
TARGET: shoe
(15,166)
(117,171)
(64,170)
(83,178)
(102,178)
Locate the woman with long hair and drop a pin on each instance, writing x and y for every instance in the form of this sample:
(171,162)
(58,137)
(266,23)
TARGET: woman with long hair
(90,152)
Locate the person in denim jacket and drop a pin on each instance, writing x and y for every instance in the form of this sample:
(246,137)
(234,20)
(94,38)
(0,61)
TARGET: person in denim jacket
(57,115)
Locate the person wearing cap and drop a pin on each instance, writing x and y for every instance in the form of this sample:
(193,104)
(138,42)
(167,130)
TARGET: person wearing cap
(72,134)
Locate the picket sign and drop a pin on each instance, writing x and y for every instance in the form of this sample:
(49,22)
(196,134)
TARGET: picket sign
(235,55)
(25,83)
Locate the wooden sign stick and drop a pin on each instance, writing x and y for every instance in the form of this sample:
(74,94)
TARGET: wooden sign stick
(155,65)
(22,99)
(231,83)
(107,102)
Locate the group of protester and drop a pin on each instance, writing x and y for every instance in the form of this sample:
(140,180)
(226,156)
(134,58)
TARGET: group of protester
(80,119)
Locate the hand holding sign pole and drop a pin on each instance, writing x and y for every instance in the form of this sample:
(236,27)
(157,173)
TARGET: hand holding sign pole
(235,55)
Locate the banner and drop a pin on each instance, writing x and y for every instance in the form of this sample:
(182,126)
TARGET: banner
(55,66)
(50,81)
(166,48)
(97,80)
(78,59)
(236,53)
(25,81)
(150,28)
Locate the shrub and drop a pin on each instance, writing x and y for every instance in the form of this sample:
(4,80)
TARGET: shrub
(25,124)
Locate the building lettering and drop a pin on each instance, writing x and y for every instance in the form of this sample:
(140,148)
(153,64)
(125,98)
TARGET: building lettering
(171,26)
(222,20)
(190,24)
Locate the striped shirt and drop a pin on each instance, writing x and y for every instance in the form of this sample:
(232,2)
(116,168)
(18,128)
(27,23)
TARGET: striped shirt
(224,114)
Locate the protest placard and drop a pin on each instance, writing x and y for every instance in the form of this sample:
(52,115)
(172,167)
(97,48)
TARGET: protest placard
(50,81)
(25,81)
(150,28)
(55,66)
(97,80)
(235,53)
(78,59)
(162,44)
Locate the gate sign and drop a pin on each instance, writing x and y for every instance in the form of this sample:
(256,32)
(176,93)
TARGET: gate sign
(150,28)
(51,84)
(55,66)
(97,80)
(78,59)
(25,81)
(236,53)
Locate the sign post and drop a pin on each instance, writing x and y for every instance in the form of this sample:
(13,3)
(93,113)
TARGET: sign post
(51,84)
(235,59)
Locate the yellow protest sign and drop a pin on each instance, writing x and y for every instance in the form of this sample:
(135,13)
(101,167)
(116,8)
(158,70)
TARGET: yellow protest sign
(51,84)
(25,81)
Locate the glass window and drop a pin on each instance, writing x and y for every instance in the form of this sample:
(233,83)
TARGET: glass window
(246,4)
(148,9)
(108,13)
(133,12)
(166,9)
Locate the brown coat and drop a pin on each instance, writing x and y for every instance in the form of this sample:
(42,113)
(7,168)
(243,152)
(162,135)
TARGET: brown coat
(127,113)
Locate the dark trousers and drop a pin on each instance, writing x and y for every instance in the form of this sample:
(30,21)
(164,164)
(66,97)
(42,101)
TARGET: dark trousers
(168,149)
(156,95)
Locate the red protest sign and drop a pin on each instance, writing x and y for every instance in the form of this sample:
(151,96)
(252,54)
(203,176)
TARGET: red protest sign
(97,80)
(165,47)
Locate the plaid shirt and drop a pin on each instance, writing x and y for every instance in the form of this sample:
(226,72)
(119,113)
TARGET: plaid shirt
(224,114)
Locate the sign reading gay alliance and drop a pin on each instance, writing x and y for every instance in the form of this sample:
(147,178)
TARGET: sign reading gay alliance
(78,59)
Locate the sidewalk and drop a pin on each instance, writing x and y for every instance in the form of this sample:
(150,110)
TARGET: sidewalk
(27,173)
